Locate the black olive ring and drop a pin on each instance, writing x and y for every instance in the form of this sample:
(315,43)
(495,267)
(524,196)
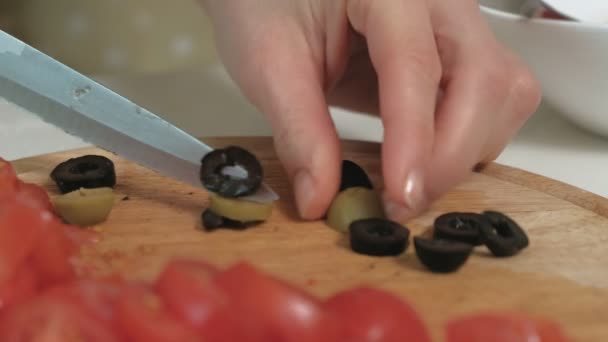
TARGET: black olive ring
(88,171)
(378,237)
(503,236)
(460,226)
(213,178)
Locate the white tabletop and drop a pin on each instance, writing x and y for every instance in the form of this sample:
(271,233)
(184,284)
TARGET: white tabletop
(207,103)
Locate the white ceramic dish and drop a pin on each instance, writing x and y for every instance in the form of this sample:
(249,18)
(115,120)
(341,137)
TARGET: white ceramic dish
(592,11)
(569,58)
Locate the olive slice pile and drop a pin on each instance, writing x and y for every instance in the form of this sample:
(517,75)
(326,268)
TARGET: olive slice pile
(357,211)
(226,208)
(457,233)
(86,184)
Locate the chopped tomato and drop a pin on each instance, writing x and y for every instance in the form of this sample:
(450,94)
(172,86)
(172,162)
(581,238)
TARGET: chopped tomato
(372,315)
(97,297)
(52,255)
(143,318)
(34,195)
(8,180)
(23,286)
(503,327)
(20,230)
(283,312)
(188,290)
(51,318)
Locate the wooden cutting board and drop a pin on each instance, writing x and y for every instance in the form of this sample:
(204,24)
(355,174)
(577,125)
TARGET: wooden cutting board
(563,275)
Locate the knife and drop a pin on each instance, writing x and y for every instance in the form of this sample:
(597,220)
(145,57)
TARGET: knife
(84,108)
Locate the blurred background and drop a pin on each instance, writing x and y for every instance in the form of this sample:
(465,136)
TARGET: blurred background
(114,36)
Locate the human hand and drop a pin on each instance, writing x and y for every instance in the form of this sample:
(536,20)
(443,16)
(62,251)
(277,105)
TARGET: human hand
(449,95)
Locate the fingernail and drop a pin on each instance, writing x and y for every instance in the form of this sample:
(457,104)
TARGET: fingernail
(304,190)
(413,191)
(413,199)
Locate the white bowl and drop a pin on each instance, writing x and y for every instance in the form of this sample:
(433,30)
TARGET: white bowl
(570,59)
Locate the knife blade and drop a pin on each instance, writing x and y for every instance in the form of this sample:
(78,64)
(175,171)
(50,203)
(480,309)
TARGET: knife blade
(62,97)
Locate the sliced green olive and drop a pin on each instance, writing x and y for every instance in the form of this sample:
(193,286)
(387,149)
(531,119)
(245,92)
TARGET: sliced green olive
(85,207)
(239,209)
(354,204)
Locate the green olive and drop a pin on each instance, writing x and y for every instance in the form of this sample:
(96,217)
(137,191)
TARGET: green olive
(85,207)
(353,204)
(239,209)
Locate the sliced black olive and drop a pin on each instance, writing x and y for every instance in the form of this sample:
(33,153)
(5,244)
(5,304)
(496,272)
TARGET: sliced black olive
(214,179)
(378,237)
(89,171)
(496,218)
(503,236)
(353,176)
(460,226)
(212,221)
(440,255)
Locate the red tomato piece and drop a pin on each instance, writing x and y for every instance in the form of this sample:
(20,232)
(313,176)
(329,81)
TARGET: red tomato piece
(284,312)
(20,230)
(188,290)
(97,297)
(52,255)
(373,315)
(35,196)
(53,319)
(23,286)
(8,181)
(143,318)
(503,327)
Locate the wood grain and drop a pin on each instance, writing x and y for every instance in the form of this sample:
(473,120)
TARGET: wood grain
(563,275)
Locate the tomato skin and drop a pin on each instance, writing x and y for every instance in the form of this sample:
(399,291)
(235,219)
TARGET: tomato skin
(34,195)
(373,315)
(143,318)
(51,318)
(189,292)
(8,181)
(283,312)
(52,256)
(20,231)
(502,327)
(24,285)
(97,297)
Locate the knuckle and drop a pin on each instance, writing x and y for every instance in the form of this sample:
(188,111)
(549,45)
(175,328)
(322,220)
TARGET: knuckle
(525,91)
(419,64)
(427,64)
(497,79)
